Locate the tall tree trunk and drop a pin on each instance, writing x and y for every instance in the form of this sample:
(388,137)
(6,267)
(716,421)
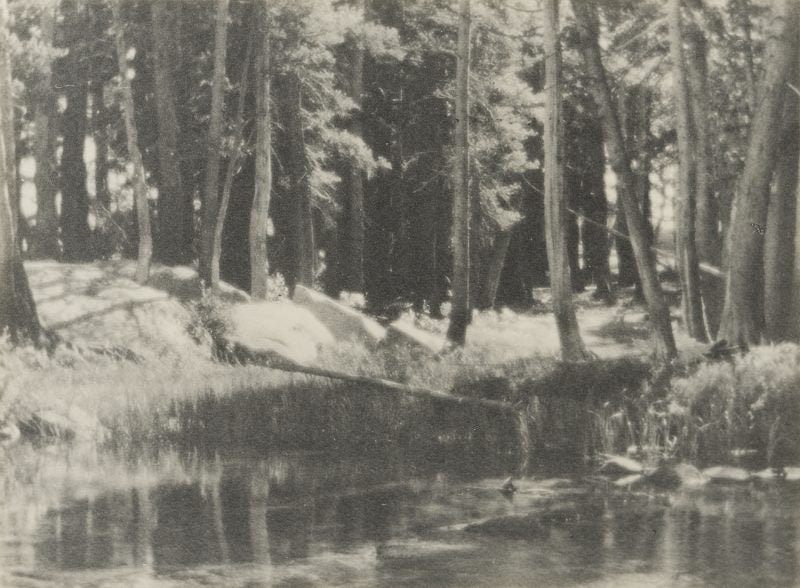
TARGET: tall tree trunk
(173,226)
(75,234)
(778,250)
(259,214)
(233,164)
(353,270)
(794,324)
(572,348)
(46,242)
(100,135)
(595,206)
(302,247)
(139,185)
(707,235)
(689,270)
(664,341)
(492,269)
(742,319)
(17,309)
(460,303)
(210,202)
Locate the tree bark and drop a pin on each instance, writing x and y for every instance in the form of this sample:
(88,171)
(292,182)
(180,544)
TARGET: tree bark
(664,341)
(17,309)
(302,246)
(233,165)
(460,303)
(145,252)
(173,226)
(259,214)
(572,347)
(689,270)
(743,319)
(210,202)
(707,235)
(494,260)
(595,206)
(45,243)
(75,234)
(100,134)
(794,323)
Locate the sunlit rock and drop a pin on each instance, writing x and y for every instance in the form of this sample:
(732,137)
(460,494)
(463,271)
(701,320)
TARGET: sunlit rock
(345,323)
(727,475)
(618,465)
(99,306)
(278,332)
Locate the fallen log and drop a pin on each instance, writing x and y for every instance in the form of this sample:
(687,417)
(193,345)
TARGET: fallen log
(249,356)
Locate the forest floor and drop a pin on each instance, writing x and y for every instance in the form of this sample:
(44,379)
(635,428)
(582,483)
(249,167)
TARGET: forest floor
(154,351)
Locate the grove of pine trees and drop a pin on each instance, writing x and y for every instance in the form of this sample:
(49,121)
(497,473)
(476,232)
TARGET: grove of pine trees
(419,152)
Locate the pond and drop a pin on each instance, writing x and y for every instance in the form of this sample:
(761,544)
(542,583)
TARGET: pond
(74,517)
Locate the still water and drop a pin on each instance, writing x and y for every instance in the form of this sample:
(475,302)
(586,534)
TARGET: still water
(69,518)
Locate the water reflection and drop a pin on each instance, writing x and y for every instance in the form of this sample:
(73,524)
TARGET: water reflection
(315,520)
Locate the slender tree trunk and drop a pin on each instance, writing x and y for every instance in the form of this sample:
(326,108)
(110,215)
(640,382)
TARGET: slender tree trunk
(7,108)
(493,269)
(17,309)
(742,319)
(259,215)
(233,165)
(664,341)
(139,184)
(707,235)
(210,202)
(46,242)
(794,324)
(171,245)
(100,134)
(353,278)
(302,247)
(460,303)
(689,271)
(595,206)
(778,250)
(572,348)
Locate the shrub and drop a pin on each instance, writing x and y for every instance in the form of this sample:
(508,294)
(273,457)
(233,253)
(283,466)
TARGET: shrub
(751,403)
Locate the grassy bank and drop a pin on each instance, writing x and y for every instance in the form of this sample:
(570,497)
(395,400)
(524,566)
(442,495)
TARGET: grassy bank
(179,396)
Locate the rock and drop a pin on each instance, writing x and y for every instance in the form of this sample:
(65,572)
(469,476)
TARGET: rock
(9,433)
(345,323)
(671,476)
(96,306)
(787,474)
(628,481)
(183,282)
(278,332)
(617,465)
(727,475)
(403,334)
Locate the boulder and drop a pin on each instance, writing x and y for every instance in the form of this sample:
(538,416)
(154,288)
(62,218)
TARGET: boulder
(96,306)
(727,475)
(278,333)
(345,323)
(618,465)
(403,334)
